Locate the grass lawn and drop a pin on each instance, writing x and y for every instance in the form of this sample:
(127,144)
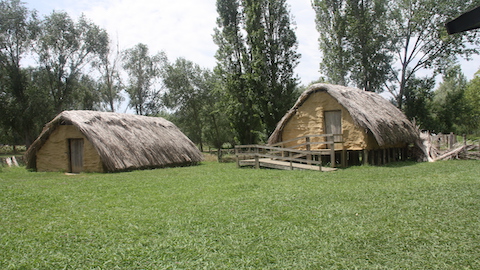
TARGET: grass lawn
(215,216)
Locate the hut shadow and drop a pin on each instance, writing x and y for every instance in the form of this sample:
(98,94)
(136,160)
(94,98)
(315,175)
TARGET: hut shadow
(400,164)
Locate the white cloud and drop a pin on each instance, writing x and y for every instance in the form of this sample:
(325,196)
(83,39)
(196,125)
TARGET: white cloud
(180,28)
(185,28)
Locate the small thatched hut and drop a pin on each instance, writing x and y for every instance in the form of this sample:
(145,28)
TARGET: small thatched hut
(92,141)
(371,126)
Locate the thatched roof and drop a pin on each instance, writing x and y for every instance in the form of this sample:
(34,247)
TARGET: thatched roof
(377,115)
(125,141)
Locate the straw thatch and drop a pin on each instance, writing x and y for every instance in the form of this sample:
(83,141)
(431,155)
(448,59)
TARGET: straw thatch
(387,124)
(125,141)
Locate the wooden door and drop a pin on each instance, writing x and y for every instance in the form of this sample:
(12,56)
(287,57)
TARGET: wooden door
(76,155)
(333,123)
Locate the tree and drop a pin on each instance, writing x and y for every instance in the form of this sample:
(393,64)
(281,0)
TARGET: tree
(65,48)
(472,101)
(110,81)
(418,102)
(255,60)
(232,65)
(449,107)
(193,97)
(18,29)
(422,40)
(188,88)
(143,71)
(273,46)
(332,25)
(380,45)
(355,41)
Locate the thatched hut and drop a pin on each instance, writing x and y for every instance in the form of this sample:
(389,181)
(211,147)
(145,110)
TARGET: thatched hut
(373,130)
(92,141)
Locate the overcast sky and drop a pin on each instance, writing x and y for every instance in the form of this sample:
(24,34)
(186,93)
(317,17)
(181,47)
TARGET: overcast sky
(184,28)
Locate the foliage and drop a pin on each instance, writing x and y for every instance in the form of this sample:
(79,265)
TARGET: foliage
(191,95)
(382,44)
(110,82)
(232,67)
(18,28)
(355,41)
(419,101)
(143,71)
(449,106)
(215,216)
(64,48)
(472,102)
(272,44)
(256,60)
(422,39)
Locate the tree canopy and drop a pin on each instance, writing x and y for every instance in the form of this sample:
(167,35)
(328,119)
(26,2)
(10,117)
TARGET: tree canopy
(380,45)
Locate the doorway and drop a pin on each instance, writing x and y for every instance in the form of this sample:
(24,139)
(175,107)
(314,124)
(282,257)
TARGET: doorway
(333,124)
(76,155)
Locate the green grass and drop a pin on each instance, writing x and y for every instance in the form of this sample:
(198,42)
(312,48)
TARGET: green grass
(215,216)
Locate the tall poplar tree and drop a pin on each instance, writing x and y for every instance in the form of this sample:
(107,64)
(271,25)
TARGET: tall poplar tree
(232,65)
(256,58)
(355,41)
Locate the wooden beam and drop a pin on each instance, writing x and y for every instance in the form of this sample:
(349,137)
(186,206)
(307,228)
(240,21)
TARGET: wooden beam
(467,21)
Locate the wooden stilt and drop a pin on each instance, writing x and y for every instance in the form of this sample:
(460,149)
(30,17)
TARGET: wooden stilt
(365,157)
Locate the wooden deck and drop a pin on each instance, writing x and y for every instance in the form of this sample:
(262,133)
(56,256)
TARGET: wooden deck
(283,165)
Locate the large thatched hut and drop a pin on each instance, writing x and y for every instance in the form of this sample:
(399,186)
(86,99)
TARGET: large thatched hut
(90,141)
(373,130)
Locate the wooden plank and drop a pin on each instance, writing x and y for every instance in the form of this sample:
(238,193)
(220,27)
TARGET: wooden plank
(283,165)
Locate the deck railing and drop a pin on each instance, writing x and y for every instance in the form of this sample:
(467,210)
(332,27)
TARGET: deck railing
(293,153)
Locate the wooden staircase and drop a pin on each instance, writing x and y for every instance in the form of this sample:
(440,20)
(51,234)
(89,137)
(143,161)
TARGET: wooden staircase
(296,157)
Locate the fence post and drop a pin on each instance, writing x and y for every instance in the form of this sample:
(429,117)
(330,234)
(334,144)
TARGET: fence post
(290,158)
(257,160)
(237,157)
(451,140)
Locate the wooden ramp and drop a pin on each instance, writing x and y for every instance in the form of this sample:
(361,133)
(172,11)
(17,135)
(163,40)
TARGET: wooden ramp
(283,165)
(302,153)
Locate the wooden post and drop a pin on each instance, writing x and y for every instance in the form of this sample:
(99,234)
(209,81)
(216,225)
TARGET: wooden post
(309,156)
(464,139)
(238,157)
(451,139)
(257,161)
(290,158)
(332,153)
(365,157)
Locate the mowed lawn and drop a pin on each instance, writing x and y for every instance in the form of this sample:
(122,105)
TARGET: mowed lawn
(215,216)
